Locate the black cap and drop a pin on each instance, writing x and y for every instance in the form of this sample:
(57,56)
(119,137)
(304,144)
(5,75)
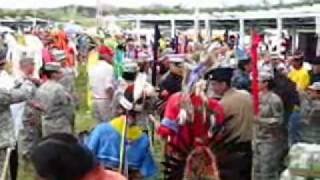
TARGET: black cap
(219,74)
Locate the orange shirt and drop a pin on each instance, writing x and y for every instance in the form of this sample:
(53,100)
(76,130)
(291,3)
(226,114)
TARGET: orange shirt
(99,173)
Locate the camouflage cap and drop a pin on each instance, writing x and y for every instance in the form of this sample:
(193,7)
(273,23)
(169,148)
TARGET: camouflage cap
(26,61)
(265,76)
(52,66)
(130,67)
(59,55)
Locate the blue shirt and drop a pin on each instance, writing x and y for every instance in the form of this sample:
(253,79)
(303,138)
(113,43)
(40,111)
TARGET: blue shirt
(105,143)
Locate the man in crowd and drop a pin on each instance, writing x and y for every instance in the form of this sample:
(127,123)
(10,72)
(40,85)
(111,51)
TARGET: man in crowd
(298,73)
(68,78)
(241,79)
(7,138)
(106,140)
(101,80)
(300,76)
(310,114)
(30,133)
(130,71)
(172,81)
(269,132)
(56,103)
(238,127)
(265,64)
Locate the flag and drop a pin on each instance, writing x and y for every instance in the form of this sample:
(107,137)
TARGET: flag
(156,45)
(176,44)
(118,63)
(226,36)
(255,39)
(186,43)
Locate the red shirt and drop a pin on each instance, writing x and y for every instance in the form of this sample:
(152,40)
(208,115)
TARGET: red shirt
(99,173)
(188,134)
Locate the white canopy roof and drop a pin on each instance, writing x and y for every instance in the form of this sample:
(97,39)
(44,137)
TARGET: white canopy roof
(297,12)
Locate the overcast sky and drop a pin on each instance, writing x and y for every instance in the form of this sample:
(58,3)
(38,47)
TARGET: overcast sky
(129,3)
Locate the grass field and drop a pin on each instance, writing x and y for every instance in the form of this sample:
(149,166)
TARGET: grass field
(83,122)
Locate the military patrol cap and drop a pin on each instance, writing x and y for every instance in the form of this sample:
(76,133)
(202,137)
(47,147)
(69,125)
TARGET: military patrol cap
(59,55)
(265,76)
(130,67)
(130,70)
(52,66)
(274,56)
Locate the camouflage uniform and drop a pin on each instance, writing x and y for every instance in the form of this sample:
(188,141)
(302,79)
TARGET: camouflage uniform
(30,133)
(7,138)
(310,122)
(269,141)
(57,106)
(68,82)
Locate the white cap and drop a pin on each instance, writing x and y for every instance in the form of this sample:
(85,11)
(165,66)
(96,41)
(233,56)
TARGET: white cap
(315,86)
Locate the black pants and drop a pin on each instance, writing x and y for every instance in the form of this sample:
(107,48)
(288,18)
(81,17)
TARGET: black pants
(14,163)
(236,162)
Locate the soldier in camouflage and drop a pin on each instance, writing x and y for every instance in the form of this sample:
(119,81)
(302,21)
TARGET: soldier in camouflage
(7,138)
(68,78)
(269,132)
(310,113)
(30,132)
(58,110)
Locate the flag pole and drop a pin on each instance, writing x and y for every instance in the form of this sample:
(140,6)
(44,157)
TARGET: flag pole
(123,148)
(155,54)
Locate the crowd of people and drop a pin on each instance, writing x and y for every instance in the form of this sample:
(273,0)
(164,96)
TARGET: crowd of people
(210,124)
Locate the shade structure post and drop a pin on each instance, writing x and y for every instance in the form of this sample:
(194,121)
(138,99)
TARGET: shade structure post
(241,32)
(318,35)
(173,28)
(279,34)
(138,29)
(208,29)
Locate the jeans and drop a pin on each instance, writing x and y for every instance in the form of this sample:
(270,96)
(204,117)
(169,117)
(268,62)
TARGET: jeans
(294,127)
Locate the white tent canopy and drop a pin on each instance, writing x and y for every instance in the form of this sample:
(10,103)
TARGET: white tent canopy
(35,4)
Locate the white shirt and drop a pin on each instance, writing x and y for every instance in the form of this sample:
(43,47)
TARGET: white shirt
(7,81)
(101,78)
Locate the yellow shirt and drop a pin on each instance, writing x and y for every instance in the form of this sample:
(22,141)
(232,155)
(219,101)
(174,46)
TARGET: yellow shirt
(133,132)
(300,77)
(92,60)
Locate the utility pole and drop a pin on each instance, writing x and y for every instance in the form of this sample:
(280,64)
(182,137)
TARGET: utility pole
(35,11)
(196,22)
(99,12)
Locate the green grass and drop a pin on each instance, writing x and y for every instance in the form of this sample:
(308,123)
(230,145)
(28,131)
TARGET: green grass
(84,121)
